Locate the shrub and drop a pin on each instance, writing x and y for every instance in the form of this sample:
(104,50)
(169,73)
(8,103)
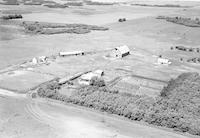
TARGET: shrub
(96,81)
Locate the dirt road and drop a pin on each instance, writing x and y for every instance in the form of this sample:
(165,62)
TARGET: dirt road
(21,117)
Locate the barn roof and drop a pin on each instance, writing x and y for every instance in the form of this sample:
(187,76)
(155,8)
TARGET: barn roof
(123,49)
(70,53)
(88,76)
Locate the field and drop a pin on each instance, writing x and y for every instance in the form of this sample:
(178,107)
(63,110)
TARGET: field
(136,74)
(22,81)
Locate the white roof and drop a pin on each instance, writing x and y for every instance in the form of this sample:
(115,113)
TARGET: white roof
(98,71)
(123,49)
(70,53)
(164,61)
(89,76)
(34,60)
(42,57)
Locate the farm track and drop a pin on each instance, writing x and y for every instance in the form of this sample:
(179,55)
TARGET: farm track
(115,81)
(34,110)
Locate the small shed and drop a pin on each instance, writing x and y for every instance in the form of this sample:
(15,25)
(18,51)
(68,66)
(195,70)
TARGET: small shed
(163,61)
(42,58)
(99,72)
(71,53)
(34,60)
(121,51)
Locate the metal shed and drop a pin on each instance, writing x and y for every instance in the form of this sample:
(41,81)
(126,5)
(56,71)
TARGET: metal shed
(71,53)
(163,61)
(121,51)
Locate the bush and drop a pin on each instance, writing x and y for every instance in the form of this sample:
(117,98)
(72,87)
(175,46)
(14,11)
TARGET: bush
(13,16)
(56,5)
(74,4)
(96,81)
(48,90)
(122,20)
(182,21)
(57,28)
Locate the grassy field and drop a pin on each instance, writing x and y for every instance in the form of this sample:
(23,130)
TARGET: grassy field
(22,81)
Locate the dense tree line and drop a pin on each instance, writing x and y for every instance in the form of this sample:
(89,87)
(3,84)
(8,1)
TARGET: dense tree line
(57,28)
(177,107)
(182,21)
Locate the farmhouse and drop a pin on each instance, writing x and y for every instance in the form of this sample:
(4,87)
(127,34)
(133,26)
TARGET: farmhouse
(121,51)
(75,53)
(163,61)
(86,78)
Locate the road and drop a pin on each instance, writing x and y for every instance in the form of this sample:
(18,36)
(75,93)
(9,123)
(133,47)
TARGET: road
(21,117)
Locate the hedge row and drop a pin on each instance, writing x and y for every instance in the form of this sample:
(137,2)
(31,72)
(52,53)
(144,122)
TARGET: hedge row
(57,28)
(178,106)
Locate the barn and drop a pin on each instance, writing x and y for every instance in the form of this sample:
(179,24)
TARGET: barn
(86,78)
(121,51)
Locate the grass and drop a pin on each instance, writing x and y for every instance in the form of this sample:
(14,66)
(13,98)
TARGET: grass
(10,2)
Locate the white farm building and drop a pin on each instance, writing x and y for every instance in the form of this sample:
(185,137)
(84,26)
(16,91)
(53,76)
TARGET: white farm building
(75,53)
(121,51)
(86,78)
(163,61)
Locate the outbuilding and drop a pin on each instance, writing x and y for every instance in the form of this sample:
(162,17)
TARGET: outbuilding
(86,78)
(42,59)
(71,53)
(163,61)
(121,51)
(34,60)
